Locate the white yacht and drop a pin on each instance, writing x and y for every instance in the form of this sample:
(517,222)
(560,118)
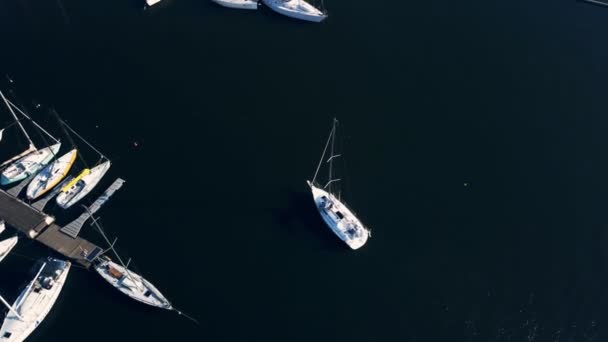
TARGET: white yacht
(35,302)
(6,246)
(238,4)
(342,221)
(29,165)
(80,186)
(297,9)
(131,284)
(51,175)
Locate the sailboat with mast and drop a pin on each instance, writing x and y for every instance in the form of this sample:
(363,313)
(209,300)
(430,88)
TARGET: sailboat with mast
(341,219)
(51,175)
(297,9)
(32,160)
(126,281)
(35,302)
(86,181)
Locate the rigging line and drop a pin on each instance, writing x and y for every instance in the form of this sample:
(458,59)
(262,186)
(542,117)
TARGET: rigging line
(100,230)
(323,155)
(17,120)
(71,141)
(81,138)
(34,122)
(331,163)
(181,313)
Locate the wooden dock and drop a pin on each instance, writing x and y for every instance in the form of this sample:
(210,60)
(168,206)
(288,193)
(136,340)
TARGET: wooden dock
(39,226)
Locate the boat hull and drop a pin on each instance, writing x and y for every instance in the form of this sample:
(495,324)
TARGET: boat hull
(238,4)
(152,2)
(6,246)
(51,175)
(28,165)
(82,188)
(134,290)
(33,308)
(297,9)
(348,228)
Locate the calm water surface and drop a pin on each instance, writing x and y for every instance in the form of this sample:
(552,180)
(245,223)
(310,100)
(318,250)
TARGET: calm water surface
(475,134)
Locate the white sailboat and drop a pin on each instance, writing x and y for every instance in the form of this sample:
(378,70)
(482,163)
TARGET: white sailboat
(152,2)
(35,302)
(342,221)
(6,246)
(80,186)
(131,284)
(51,175)
(238,4)
(28,165)
(297,9)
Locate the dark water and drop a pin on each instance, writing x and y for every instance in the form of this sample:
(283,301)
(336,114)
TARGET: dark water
(475,140)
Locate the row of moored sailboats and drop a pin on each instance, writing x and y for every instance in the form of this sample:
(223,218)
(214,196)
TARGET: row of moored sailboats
(45,170)
(297,9)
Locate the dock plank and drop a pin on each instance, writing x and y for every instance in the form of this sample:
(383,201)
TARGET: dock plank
(26,219)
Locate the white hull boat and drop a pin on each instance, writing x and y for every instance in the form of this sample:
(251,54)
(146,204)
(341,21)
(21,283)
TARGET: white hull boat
(238,4)
(297,9)
(152,2)
(51,175)
(82,185)
(35,302)
(339,218)
(6,246)
(131,284)
(342,221)
(28,165)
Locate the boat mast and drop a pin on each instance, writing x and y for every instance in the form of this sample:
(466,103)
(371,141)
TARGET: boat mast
(17,119)
(29,287)
(34,122)
(10,308)
(322,156)
(331,156)
(112,247)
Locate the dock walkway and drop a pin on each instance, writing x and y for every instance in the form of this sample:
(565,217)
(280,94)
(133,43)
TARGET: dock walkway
(39,226)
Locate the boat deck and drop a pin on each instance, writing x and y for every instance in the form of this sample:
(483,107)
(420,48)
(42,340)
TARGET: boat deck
(39,226)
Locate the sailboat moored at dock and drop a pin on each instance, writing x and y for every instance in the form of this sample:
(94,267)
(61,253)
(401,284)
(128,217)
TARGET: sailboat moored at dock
(82,185)
(35,302)
(28,165)
(6,246)
(51,175)
(131,284)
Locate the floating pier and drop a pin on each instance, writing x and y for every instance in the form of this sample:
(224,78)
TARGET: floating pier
(39,226)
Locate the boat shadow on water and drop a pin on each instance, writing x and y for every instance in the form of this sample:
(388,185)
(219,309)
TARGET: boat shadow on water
(300,212)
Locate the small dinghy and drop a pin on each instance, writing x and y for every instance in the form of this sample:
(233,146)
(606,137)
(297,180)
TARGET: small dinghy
(28,165)
(342,221)
(6,246)
(297,9)
(51,175)
(131,284)
(80,186)
(238,4)
(35,302)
